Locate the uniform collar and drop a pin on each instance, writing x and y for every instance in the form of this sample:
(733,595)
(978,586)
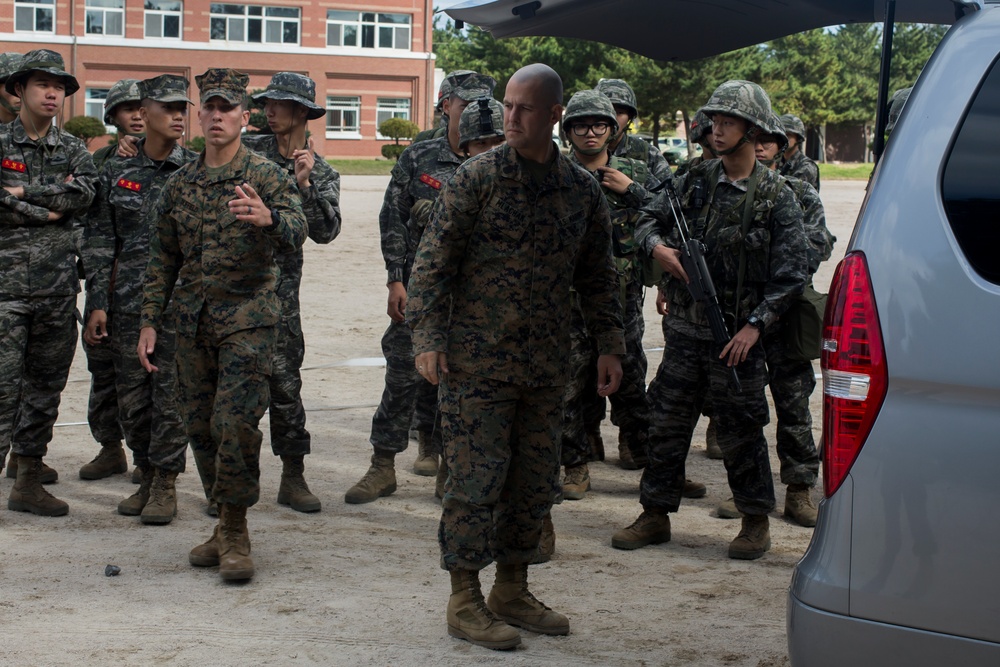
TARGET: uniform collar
(559,177)
(21,134)
(236,168)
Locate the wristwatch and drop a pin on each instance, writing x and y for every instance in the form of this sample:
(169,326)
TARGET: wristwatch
(755,321)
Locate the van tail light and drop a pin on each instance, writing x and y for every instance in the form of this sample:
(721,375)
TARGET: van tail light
(854,369)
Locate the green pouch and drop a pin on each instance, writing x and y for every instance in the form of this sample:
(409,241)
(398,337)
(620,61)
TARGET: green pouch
(802,325)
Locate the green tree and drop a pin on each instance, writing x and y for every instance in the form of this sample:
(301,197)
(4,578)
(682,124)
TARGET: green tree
(85,128)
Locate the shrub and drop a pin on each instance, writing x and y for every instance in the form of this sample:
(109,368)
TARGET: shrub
(85,128)
(398,128)
(197,144)
(392,151)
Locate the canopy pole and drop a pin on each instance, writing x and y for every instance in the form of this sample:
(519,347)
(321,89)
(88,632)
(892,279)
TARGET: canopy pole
(882,109)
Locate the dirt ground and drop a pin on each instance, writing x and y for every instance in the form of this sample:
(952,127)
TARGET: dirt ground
(361,585)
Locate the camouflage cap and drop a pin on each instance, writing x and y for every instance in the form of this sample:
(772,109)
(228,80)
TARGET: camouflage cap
(444,92)
(896,105)
(295,87)
(228,84)
(41,60)
(483,118)
(792,124)
(126,90)
(742,99)
(166,88)
(701,125)
(620,93)
(9,62)
(589,103)
(473,86)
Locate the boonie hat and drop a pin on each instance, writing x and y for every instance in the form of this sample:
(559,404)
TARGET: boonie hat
(41,60)
(295,87)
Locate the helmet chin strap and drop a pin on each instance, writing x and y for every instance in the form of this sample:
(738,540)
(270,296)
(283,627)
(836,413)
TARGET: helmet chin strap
(591,151)
(749,136)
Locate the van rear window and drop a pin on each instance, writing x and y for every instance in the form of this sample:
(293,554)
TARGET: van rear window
(971,184)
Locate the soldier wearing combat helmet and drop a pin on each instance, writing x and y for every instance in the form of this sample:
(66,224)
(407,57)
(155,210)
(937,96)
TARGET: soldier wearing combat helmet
(749,221)
(480,127)
(444,93)
(795,161)
(10,104)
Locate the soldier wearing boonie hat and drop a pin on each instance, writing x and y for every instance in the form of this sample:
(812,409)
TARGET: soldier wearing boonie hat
(319,186)
(38,202)
(9,103)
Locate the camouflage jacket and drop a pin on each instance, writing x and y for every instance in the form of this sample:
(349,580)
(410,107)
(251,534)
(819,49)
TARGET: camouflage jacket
(320,204)
(492,278)
(814,222)
(116,241)
(432,133)
(802,168)
(202,256)
(419,174)
(640,149)
(38,257)
(775,246)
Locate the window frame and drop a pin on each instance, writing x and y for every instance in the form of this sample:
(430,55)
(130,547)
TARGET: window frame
(267,22)
(163,14)
(36,6)
(391,106)
(89,100)
(373,27)
(104,12)
(343,103)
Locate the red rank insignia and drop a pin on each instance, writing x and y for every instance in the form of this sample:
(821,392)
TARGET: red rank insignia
(15,165)
(431,181)
(129,185)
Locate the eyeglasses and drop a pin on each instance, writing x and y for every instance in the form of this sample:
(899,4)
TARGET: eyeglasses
(599,129)
(767,141)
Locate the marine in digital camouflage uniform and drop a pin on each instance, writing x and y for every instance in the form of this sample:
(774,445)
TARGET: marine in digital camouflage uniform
(41,209)
(623,185)
(116,251)
(10,104)
(121,109)
(795,162)
(419,174)
(714,197)
(289,103)
(220,221)
(444,93)
(629,146)
(513,231)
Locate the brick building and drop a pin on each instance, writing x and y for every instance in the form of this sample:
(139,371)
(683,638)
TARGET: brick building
(371,60)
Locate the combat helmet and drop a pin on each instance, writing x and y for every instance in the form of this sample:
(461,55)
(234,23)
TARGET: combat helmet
(701,126)
(776,129)
(896,106)
(9,63)
(792,124)
(590,103)
(444,92)
(126,90)
(483,118)
(619,93)
(741,99)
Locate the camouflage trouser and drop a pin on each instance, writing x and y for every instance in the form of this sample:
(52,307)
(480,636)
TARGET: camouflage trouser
(792,383)
(147,402)
(223,395)
(37,344)
(582,383)
(501,445)
(102,407)
(289,436)
(629,407)
(690,371)
(404,389)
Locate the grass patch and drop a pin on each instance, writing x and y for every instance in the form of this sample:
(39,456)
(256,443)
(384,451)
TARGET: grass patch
(854,171)
(360,167)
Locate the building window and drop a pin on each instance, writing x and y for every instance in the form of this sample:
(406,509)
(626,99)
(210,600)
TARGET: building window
(163,18)
(368,30)
(254,23)
(34,15)
(389,107)
(95,106)
(343,115)
(106,17)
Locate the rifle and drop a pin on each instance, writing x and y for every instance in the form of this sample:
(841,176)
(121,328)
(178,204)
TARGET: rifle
(700,283)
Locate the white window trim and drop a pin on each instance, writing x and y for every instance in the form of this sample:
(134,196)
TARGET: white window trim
(35,6)
(359,24)
(380,108)
(162,14)
(104,24)
(264,19)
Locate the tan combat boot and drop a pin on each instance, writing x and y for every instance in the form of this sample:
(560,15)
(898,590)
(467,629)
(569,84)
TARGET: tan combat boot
(378,481)
(442,477)
(136,475)
(727,510)
(27,495)
(799,505)
(161,508)
(109,461)
(512,602)
(233,538)
(712,449)
(207,553)
(293,491)
(576,483)
(132,506)
(754,539)
(426,464)
(627,460)
(650,528)
(546,542)
(693,489)
(47,475)
(470,619)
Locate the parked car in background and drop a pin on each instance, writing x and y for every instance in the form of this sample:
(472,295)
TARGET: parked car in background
(675,150)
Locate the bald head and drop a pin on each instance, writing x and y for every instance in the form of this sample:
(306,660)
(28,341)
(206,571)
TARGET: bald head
(544,79)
